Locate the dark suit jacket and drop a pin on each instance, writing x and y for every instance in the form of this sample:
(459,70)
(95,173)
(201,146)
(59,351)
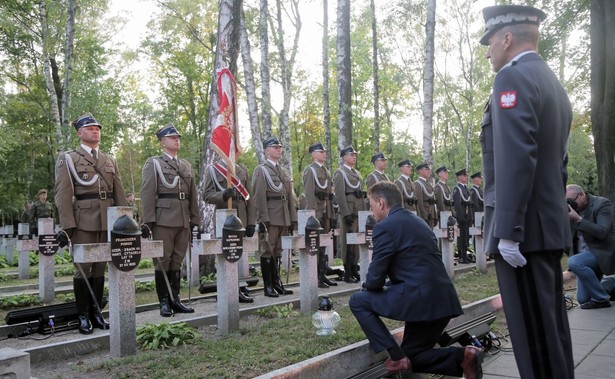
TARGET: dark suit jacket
(406,251)
(598,232)
(524,137)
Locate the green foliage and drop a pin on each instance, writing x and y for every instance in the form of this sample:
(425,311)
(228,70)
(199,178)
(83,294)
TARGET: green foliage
(275,311)
(62,259)
(146,263)
(18,301)
(66,297)
(165,335)
(145,286)
(209,278)
(64,271)
(3,262)
(4,278)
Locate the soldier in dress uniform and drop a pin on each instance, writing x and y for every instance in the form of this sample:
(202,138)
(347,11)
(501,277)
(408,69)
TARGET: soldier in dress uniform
(276,214)
(477,192)
(463,213)
(171,212)
(380,164)
(404,183)
(425,196)
(444,200)
(40,209)
(318,193)
(87,183)
(130,199)
(348,185)
(216,192)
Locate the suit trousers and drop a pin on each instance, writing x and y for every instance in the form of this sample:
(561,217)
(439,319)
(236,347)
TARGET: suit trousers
(271,242)
(535,312)
(93,269)
(175,242)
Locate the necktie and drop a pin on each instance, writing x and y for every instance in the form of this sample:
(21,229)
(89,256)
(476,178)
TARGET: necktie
(175,163)
(95,154)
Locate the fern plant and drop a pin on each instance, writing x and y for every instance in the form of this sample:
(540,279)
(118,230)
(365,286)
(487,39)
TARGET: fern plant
(165,335)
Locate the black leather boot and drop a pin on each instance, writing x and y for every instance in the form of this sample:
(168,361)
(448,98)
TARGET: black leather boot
(96,317)
(163,294)
(176,304)
(326,269)
(267,279)
(348,267)
(82,299)
(243,298)
(275,276)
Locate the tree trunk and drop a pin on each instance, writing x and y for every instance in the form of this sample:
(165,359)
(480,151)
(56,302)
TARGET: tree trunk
(325,80)
(375,73)
(265,79)
(68,62)
(248,73)
(603,93)
(428,81)
(344,87)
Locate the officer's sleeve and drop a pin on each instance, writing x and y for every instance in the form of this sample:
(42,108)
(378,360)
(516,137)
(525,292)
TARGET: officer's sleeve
(148,191)
(340,192)
(309,189)
(63,190)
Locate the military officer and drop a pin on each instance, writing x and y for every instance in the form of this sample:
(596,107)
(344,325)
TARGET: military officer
(405,186)
(444,200)
(87,183)
(276,213)
(40,209)
(170,211)
(477,192)
(425,196)
(463,213)
(216,192)
(348,185)
(380,164)
(130,198)
(318,193)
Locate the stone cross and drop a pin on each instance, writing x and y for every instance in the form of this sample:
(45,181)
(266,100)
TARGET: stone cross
(365,253)
(8,243)
(308,270)
(25,244)
(46,265)
(441,232)
(226,272)
(122,321)
(477,232)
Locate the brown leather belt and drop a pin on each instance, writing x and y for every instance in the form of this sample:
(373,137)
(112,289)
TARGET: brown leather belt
(102,195)
(273,198)
(180,196)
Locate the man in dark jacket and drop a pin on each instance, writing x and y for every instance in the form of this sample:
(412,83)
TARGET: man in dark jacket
(593,245)
(418,292)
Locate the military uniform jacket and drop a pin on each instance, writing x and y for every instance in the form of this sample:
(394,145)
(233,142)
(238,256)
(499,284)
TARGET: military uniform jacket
(41,210)
(318,190)
(273,195)
(85,188)
(463,203)
(215,183)
(477,199)
(444,200)
(375,177)
(524,134)
(425,201)
(168,193)
(407,193)
(349,193)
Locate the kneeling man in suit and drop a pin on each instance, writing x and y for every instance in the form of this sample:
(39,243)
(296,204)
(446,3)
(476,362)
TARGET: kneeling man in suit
(418,291)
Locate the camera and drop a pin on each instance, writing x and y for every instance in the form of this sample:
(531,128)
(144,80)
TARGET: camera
(573,204)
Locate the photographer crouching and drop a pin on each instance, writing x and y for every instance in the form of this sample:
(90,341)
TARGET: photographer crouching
(593,245)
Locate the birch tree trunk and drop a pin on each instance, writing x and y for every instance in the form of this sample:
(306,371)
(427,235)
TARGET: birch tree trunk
(375,74)
(248,73)
(227,51)
(603,93)
(264,69)
(68,62)
(51,90)
(344,87)
(325,80)
(428,81)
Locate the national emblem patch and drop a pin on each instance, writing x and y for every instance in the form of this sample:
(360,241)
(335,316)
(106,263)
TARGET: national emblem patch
(508,99)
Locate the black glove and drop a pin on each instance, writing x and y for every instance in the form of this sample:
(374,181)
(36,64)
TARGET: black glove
(250,229)
(228,193)
(263,227)
(146,229)
(333,223)
(64,236)
(349,219)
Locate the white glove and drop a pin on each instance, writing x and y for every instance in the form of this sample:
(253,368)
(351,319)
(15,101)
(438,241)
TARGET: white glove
(511,254)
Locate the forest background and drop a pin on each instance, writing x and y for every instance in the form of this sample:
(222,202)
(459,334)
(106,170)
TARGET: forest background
(59,59)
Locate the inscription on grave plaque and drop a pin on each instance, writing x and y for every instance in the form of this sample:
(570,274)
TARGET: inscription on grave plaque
(312,241)
(47,244)
(232,244)
(125,251)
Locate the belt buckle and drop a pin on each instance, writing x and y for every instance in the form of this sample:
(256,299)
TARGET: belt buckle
(182,196)
(283,197)
(102,195)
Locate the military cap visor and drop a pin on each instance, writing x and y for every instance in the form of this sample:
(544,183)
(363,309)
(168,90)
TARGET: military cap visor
(422,166)
(348,150)
(85,121)
(378,157)
(271,142)
(405,162)
(461,172)
(498,16)
(40,192)
(476,175)
(440,169)
(167,131)
(316,147)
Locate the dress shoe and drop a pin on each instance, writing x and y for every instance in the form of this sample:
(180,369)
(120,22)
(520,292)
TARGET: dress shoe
(401,365)
(472,363)
(243,298)
(269,291)
(595,304)
(85,327)
(322,284)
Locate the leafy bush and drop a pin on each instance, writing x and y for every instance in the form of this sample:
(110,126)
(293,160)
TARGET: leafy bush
(64,271)
(18,301)
(282,311)
(3,278)
(146,263)
(209,278)
(33,258)
(62,259)
(144,286)
(165,335)
(66,297)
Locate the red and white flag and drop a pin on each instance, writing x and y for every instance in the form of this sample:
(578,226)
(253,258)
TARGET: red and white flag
(225,136)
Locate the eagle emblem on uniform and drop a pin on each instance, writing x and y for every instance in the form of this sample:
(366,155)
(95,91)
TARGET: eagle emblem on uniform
(508,99)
